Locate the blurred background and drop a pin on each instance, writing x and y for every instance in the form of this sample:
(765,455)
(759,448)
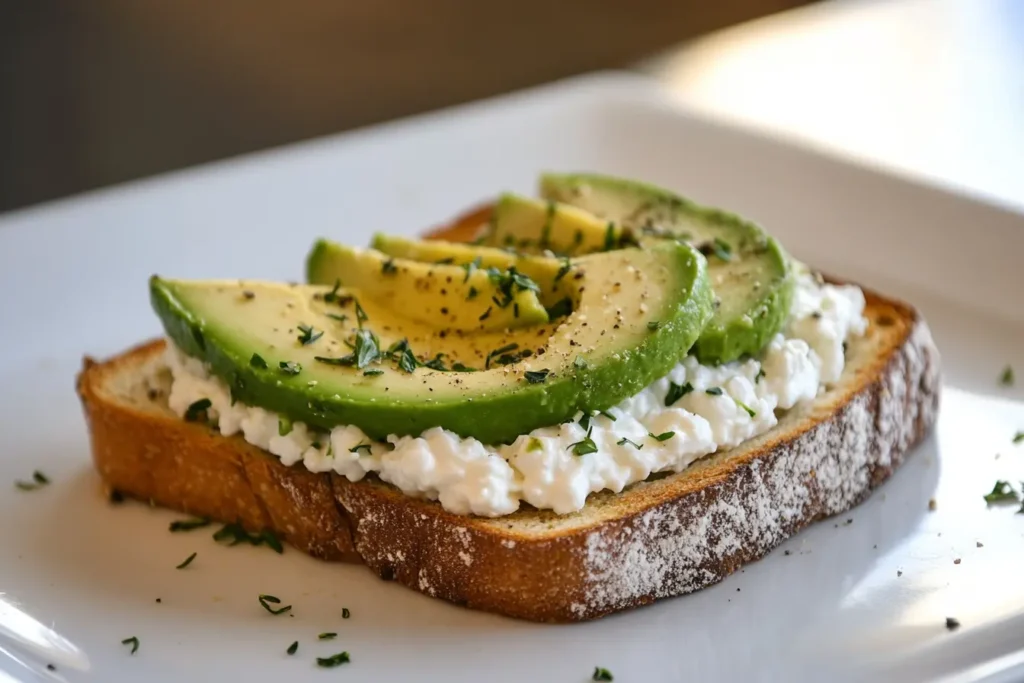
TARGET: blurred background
(96,92)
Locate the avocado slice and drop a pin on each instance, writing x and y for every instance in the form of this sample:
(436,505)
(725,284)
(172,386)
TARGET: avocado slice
(750,272)
(328,356)
(556,278)
(446,295)
(534,226)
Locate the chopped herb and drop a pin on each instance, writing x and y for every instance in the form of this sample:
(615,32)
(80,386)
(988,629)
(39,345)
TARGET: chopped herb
(436,363)
(1006,379)
(750,411)
(187,562)
(267,600)
(499,351)
(585,446)
(189,524)
(309,334)
(602,674)
(564,269)
(293,648)
(718,247)
(580,363)
(340,317)
(197,410)
(608,415)
(653,325)
(952,623)
(367,348)
(623,441)
(560,309)
(459,367)
(345,614)
(609,237)
(284,426)
(257,361)
(363,446)
(1002,492)
(472,293)
(445,261)
(333,660)
(407,361)
(664,436)
(584,420)
(536,376)
(389,267)
(39,480)
(713,391)
(469,268)
(330,635)
(234,534)
(509,283)
(676,392)
(332,295)
(290,367)
(270,539)
(345,361)
(134,642)
(760,374)
(1018,437)
(533,445)
(545,231)
(486,314)
(372,373)
(361,316)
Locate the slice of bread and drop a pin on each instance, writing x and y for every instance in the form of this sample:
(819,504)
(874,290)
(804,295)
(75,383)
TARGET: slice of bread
(666,536)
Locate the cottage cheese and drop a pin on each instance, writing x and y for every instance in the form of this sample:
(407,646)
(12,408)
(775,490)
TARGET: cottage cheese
(468,477)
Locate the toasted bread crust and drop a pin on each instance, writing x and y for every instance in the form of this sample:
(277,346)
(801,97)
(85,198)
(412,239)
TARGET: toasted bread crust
(663,537)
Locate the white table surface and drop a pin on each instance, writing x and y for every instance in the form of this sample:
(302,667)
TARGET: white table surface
(929,88)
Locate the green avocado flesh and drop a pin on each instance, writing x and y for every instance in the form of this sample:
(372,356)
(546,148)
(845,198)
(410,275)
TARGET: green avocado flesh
(750,273)
(638,312)
(535,226)
(554,277)
(444,295)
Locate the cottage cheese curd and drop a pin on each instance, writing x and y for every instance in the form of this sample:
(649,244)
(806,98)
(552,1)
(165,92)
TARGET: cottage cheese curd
(468,477)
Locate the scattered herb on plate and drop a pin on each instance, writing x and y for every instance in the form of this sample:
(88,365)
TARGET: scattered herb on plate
(39,480)
(293,648)
(330,635)
(345,614)
(134,642)
(602,674)
(333,660)
(187,562)
(1002,492)
(1006,378)
(267,600)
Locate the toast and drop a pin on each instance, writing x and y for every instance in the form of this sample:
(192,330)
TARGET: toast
(666,536)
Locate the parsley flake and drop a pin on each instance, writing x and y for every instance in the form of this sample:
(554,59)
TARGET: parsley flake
(1006,378)
(267,600)
(760,373)
(664,436)
(284,426)
(436,363)
(293,648)
(373,372)
(309,334)
(537,376)
(584,446)
(609,237)
(187,562)
(367,348)
(564,269)
(623,441)
(750,411)
(189,524)
(713,391)
(472,293)
(653,325)
(197,410)
(290,367)
(498,352)
(602,674)
(344,361)
(330,635)
(333,660)
(134,642)
(388,267)
(1002,492)
(332,296)
(257,361)
(345,614)
(39,480)
(361,316)
(676,392)
(459,367)
(340,317)
(358,447)
(533,445)
(469,268)
(1018,437)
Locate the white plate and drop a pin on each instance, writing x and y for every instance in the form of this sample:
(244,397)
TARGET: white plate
(73,281)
